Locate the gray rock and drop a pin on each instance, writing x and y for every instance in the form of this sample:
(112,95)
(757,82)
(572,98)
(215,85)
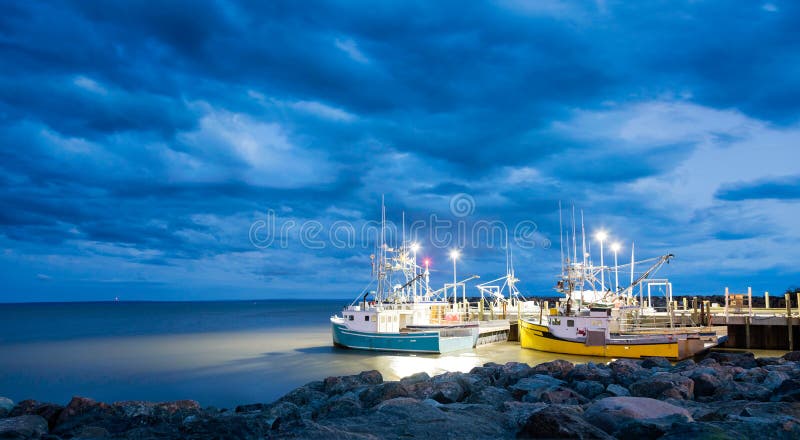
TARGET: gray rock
(554,421)
(557,368)
(731,390)
(342,407)
(385,391)
(744,359)
(415,378)
(493,396)
(774,379)
(588,388)
(628,371)
(614,413)
(6,405)
(49,411)
(787,391)
(664,385)
(591,371)
(448,392)
(557,395)
(512,372)
(617,390)
(705,384)
(700,430)
(656,362)
(764,361)
(534,385)
(92,433)
(686,364)
(342,384)
(23,427)
(793,356)
(518,412)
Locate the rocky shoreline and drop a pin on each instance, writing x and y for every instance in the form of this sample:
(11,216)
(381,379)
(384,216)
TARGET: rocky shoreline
(724,395)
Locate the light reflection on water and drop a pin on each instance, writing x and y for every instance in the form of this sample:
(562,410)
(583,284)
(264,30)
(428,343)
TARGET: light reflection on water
(214,366)
(221,368)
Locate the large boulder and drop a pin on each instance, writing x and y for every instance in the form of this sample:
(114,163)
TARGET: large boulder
(705,383)
(732,390)
(557,368)
(617,390)
(793,356)
(534,386)
(738,359)
(379,393)
(555,421)
(588,388)
(23,427)
(81,412)
(628,371)
(664,385)
(787,391)
(493,396)
(49,411)
(656,362)
(343,384)
(6,405)
(614,414)
(591,371)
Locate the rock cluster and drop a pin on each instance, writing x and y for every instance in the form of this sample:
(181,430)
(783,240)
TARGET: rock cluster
(725,395)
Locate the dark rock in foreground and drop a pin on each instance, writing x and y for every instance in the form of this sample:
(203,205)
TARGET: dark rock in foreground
(725,395)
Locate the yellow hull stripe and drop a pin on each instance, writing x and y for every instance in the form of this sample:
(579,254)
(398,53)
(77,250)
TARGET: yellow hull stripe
(537,337)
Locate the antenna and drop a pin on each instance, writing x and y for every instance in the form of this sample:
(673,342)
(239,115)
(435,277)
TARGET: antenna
(561,237)
(583,236)
(632,263)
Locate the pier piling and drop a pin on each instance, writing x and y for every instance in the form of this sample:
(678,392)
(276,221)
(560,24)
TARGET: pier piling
(788,298)
(747,331)
(766,300)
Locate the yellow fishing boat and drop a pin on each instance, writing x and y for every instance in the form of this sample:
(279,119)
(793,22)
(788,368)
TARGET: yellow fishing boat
(607,333)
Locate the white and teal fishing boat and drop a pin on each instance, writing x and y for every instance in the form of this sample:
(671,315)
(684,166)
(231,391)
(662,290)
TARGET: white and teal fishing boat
(404,315)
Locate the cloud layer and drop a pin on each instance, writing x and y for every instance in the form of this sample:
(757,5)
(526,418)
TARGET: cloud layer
(139,144)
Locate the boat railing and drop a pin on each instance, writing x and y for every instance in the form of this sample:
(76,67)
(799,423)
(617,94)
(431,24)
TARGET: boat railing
(656,321)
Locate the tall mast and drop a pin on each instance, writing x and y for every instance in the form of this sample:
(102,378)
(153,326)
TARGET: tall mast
(574,243)
(381,281)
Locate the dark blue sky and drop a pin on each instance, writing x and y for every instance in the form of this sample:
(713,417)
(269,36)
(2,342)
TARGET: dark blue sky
(142,141)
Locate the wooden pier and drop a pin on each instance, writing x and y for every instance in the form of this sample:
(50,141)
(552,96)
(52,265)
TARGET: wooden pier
(759,327)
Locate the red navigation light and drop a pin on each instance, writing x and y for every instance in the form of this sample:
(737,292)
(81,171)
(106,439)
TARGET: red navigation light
(427,262)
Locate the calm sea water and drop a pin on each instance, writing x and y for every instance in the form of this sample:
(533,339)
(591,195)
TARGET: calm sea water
(219,353)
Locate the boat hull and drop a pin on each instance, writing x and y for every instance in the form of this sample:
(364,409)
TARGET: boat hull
(414,342)
(539,337)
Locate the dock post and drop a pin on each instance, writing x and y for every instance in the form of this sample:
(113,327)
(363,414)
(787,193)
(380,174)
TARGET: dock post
(541,309)
(766,300)
(750,303)
(702,313)
(798,303)
(788,298)
(685,303)
(726,305)
(747,331)
(694,309)
(671,308)
(480,309)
